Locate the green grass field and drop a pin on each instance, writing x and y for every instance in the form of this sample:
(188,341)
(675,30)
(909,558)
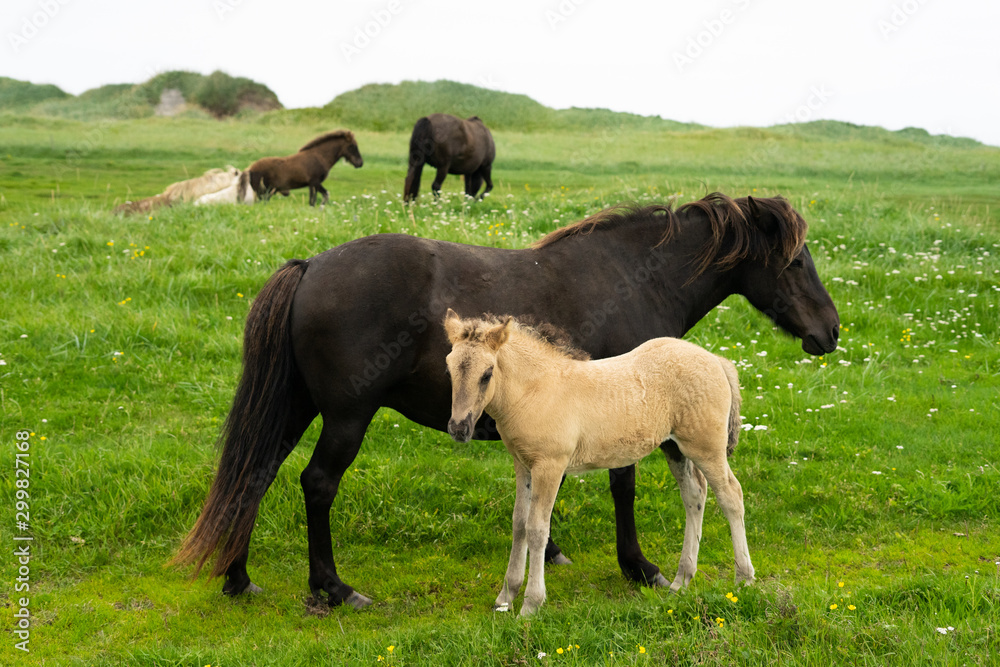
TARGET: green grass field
(871,494)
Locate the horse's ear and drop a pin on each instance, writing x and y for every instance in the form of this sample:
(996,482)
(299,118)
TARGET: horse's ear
(499,334)
(762,221)
(453,326)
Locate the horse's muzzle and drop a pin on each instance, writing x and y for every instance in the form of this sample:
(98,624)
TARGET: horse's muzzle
(460,430)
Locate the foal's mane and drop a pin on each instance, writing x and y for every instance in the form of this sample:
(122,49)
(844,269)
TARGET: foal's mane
(474,330)
(744,228)
(329,136)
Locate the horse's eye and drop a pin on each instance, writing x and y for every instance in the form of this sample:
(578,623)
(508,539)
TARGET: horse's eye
(486,377)
(797,264)
(447,371)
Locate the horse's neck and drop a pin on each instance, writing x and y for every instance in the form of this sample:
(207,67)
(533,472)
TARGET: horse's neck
(329,152)
(658,299)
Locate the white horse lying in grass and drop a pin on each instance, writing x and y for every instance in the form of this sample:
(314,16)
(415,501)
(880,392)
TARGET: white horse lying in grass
(214,186)
(237,192)
(559,413)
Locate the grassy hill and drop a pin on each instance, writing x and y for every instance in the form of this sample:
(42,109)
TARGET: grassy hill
(395,107)
(217,94)
(22,95)
(382,107)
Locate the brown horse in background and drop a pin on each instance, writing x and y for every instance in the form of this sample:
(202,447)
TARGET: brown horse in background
(308,167)
(452,146)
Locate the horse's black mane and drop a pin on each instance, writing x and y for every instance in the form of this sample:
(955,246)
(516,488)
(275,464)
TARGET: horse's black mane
(329,136)
(745,228)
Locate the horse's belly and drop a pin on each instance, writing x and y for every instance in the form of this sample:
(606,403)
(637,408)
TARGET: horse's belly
(609,455)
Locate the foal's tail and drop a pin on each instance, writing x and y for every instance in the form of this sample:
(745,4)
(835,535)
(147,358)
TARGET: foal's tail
(735,421)
(421,145)
(243,187)
(252,438)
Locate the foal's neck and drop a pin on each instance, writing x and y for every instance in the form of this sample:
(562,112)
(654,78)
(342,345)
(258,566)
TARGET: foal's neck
(523,362)
(330,151)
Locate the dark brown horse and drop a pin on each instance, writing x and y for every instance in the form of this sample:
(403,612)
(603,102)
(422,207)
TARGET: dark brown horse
(359,327)
(308,167)
(452,146)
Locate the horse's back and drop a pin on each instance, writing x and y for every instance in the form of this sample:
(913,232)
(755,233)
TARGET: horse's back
(367,315)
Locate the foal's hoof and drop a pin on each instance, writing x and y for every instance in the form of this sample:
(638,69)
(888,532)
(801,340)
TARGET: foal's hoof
(357,600)
(502,607)
(659,581)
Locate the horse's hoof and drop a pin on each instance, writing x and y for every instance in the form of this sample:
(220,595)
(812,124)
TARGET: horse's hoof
(357,600)
(659,581)
(250,588)
(560,559)
(502,607)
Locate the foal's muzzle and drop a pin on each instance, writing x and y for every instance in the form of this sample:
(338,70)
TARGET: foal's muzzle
(460,430)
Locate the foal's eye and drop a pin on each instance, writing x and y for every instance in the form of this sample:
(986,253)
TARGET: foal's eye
(486,377)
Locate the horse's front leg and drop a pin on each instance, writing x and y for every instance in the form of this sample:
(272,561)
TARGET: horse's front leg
(312,195)
(545,479)
(519,547)
(630,558)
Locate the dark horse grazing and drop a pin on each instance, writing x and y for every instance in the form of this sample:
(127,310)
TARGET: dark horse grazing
(452,146)
(359,326)
(308,167)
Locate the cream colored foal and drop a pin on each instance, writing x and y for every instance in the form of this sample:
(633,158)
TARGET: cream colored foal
(559,413)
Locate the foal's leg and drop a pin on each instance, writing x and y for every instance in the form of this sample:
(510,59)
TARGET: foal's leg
(630,558)
(322,191)
(553,554)
(519,547)
(729,494)
(693,493)
(336,448)
(545,479)
(312,195)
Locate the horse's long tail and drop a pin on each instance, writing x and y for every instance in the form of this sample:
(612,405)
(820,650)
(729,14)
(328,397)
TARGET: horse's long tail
(252,447)
(735,421)
(421,145)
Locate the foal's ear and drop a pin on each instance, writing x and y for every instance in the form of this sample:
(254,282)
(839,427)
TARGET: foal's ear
(498,335)
(453,326)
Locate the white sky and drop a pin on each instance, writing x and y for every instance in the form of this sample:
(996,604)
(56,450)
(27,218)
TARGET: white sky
(926,63)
